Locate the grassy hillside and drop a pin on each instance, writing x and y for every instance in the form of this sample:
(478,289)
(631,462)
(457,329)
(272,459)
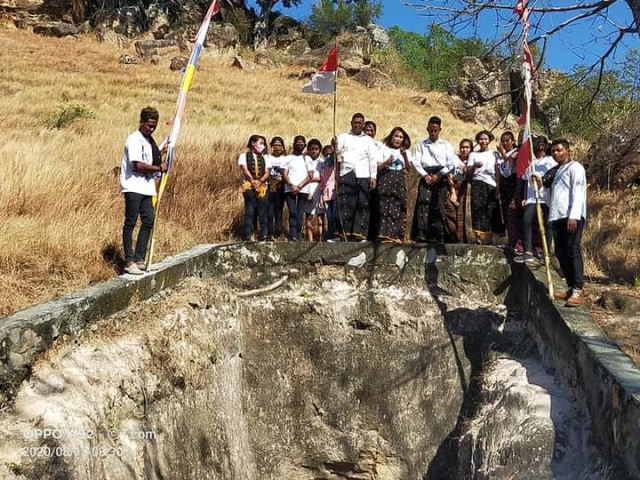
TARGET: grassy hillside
(61,208)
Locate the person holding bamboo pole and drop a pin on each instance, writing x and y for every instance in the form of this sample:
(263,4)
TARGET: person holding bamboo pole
(567,216)
(141,162)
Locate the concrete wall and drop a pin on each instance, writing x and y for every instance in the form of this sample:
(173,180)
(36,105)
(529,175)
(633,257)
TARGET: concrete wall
(601,374)
(604,377)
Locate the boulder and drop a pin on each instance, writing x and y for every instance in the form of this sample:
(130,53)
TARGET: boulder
(379,36)
(298,48)
(147,49)
(285,31)
(264,60)
(243,64)
(373,78)
(178,63)
(110,37)
(55,29)
(222,39)
(483,80)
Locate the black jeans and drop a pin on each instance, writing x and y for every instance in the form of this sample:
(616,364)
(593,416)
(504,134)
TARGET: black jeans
(569,252)
(275,208)
(296,205)
(252,204)
(136,205)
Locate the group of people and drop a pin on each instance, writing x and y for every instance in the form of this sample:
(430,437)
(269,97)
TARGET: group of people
(355,189)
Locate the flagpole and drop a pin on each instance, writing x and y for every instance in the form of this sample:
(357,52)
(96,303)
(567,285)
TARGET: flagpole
(523,11)
(336,155)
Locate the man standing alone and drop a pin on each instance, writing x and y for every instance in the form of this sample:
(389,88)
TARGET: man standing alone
(141,162)
(567,216)
(358,170)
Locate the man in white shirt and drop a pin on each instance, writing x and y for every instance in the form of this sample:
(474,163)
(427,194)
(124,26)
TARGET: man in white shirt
(567,216)
(141,162)
(433,159)
(358,172)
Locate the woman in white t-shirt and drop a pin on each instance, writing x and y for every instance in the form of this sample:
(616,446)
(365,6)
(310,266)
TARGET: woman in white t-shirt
(296,177)
(255,174)
(312,190)
(275,198)
(485,210)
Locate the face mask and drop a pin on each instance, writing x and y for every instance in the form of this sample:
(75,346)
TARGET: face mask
(258,148)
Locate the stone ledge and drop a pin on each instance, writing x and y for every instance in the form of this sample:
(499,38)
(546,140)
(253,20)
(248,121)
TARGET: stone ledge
(607,380)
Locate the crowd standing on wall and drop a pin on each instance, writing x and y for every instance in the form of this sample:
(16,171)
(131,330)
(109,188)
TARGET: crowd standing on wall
(355,189)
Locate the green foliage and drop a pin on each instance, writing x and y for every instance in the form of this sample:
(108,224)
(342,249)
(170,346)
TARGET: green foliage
(587,103)
(332,17)
(433,59)
(65,115)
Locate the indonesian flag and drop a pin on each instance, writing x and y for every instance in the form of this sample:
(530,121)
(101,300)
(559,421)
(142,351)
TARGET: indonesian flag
(324,80)
(528,72)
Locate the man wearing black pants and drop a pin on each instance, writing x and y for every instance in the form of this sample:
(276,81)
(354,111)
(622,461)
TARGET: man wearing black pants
(567,216)
(141,161)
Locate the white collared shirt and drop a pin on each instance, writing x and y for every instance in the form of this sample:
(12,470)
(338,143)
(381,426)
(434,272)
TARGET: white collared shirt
(569,193)
(358,153)
(430,154)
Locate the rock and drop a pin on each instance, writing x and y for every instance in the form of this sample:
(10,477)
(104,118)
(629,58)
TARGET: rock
(178,63)
(482,80)
(298,48)
(222,39)
(55,29)
(146,49)
(128,59)
(160,23)
(618,302)
(243,64)
(285,31)
(112,38)
(419,100)
(355,53)
(373,78)
(379,36)
(264,60)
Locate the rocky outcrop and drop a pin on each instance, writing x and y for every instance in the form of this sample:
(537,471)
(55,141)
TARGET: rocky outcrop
(148,49)
(223,39)
(55,29)
(285,31)
(483,80)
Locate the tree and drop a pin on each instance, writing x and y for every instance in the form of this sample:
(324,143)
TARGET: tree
(333,17)
(548,18)
(262,27)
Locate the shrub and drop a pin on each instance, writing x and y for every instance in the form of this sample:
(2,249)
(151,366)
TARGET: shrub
(65,115)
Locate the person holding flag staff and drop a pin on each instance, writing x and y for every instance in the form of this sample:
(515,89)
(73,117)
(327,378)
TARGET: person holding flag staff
(358,171)
(141,162)
(567,216)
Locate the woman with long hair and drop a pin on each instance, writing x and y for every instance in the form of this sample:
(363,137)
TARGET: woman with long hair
(275,197)
(485,209)
(392,186)
(255,174)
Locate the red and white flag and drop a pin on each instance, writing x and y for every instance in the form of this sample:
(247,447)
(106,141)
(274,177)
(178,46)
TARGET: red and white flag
(324,80)
(528,72)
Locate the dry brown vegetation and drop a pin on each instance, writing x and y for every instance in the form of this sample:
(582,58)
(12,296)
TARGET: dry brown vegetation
(62,210)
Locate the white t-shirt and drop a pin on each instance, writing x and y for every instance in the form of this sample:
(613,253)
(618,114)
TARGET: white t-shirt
(398,159)
(507,167)
(242,162)
(430,154)
(487,172)
(359,153)
(137,149)
(539,167)
(298,168)
(315,167)
(569,193)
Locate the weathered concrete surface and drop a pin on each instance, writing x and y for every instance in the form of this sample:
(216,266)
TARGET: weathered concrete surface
(368,363)
(602,376)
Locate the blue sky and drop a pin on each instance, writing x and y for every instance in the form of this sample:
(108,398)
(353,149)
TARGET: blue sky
(578,46)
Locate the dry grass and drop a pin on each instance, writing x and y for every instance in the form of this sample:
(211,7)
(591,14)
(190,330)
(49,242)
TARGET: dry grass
(62,211)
